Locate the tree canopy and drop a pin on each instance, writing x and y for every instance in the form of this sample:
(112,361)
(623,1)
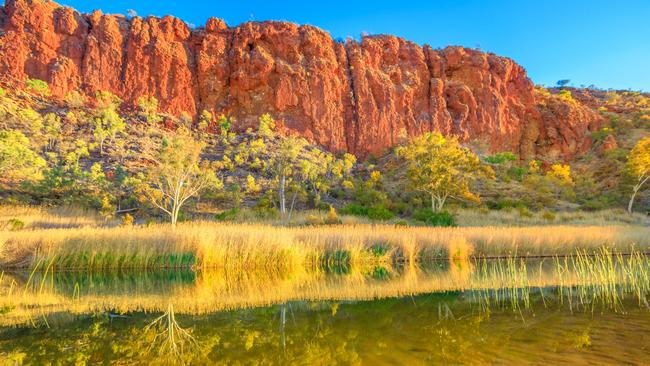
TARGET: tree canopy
(638,166)
(440,167)
(178,174)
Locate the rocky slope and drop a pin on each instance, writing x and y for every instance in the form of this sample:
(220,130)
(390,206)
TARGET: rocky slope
(361,97)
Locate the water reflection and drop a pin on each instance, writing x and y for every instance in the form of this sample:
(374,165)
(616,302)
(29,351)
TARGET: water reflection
(579,310)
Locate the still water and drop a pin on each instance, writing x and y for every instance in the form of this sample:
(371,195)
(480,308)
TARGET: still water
(504,313)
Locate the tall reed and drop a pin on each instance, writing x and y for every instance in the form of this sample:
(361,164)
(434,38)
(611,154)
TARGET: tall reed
(249,246)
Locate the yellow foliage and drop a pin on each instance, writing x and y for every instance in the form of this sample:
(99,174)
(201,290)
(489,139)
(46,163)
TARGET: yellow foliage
(441,167)
(638,163)
(562,173)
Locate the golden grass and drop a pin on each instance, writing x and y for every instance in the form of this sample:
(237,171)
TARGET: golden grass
(513,217)
(602,278)
(35,217)
(255,246)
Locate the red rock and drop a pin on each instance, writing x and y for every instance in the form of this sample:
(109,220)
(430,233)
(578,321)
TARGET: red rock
(608,144)
(361,97)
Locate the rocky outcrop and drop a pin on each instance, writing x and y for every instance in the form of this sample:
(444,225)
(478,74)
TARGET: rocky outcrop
(361,97)
(566,126)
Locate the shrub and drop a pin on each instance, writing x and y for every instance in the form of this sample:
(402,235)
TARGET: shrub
(227,215)
(517,172)
(313,220)
(431,218)
(524,212)
(266,212)
(548,216)
(332,217)
(127,220)
(504,204)
(501,158)
(354,209)
(266,125)
(380,213)
(37,86)
(15,224)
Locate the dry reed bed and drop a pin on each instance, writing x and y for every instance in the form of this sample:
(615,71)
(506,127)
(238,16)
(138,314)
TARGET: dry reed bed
(250,246)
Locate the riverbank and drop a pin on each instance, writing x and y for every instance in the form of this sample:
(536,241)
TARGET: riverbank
(266,247)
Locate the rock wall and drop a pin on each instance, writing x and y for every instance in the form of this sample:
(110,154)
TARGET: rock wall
(361,97)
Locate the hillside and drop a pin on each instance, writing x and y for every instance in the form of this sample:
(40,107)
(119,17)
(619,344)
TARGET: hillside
(356,96)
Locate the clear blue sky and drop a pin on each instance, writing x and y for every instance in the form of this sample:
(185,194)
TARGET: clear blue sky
(601,42)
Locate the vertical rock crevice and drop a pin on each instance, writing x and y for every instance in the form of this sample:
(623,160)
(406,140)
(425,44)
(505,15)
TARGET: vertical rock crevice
(352,96)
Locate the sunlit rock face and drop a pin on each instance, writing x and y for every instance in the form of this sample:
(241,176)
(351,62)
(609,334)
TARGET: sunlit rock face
(362,97)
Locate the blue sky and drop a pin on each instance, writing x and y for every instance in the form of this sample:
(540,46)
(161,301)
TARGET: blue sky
(601,42)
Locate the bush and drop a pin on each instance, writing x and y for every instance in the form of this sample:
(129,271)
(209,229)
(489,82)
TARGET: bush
(504,204)
(266,212)
(313,220)
(501,158)
(37,86)
(354,209)
(127,220)
(332,217)
(524,212)
(517,173)
(380,213)
(15,224)
(548,216)
(432,218)
(227,215)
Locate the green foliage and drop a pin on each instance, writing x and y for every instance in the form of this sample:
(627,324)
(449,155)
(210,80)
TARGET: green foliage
(517,173)
(148,109)
(376,212)
(107,123)
(15,224)
(380,213)
(227,215)
(52,129)
(504,204)
(266,126)
(434,218)
(37,86)
(234,195)
(224,124)
(354,209)
(524,212)
(501,158)
(75,99)
(17,159)
(600,135)
(548,216)
(566,96)
(205,121)
(178,174)
(441,168)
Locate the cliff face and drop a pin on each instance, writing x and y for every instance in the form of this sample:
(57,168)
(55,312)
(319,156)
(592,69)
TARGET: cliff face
(360,97)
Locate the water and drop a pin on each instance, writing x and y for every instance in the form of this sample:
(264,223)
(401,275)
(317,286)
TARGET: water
(533,312)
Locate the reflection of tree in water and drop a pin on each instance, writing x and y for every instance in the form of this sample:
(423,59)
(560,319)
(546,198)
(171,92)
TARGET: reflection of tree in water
(170,338)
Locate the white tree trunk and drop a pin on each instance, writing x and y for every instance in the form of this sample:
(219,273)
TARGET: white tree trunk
(631,203)
(636,190)
(283,205)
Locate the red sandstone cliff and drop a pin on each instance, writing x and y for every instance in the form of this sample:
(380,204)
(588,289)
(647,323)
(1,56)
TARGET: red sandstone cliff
(355,96)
